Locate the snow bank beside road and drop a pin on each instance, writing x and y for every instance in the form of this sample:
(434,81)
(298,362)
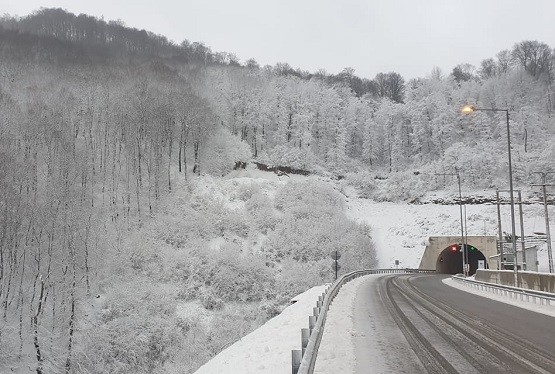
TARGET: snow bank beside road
(268,349)
(336,353)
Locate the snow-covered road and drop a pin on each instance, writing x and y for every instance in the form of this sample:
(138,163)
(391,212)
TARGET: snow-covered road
(419,324)
(360,335)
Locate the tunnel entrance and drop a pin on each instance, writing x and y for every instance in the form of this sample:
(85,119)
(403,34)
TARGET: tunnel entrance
(450,260)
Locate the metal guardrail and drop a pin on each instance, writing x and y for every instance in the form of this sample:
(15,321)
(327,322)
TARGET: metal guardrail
(544,298)
(304,360)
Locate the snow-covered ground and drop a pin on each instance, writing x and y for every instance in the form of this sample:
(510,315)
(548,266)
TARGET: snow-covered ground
(339,357)
(400,231)
(268,349)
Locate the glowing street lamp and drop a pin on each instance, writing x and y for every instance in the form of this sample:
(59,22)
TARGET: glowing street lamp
(469,109)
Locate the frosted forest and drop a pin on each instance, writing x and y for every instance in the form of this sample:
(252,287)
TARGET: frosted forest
(135,232)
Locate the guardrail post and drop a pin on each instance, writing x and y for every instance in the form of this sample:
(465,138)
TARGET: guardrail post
(296,356)
(304,340)
(315,312)
(311,324)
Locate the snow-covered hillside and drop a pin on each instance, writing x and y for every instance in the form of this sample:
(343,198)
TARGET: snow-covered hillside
(400,230)
(268,349)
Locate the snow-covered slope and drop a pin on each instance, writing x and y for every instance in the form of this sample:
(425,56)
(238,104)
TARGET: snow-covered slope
(401,230)
(268,349)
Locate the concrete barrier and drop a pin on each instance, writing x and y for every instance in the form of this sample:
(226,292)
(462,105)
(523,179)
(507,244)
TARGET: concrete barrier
(529,280)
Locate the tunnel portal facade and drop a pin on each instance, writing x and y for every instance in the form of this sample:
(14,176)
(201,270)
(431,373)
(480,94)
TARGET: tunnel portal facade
(443,253)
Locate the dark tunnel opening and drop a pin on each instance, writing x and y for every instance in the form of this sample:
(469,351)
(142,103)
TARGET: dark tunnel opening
(450,260)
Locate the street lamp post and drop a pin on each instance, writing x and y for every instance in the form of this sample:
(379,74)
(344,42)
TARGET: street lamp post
(469,109)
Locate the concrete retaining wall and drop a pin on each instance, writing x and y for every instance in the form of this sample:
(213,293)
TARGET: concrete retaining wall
(530,280)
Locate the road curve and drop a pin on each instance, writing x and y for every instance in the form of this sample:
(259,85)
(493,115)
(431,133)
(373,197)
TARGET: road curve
(417,324)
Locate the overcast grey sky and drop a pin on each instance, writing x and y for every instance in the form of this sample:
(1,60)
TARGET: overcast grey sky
(371,36)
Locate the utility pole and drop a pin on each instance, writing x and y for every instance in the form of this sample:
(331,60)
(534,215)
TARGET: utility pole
(463,247)
(500,232)
(543,184)
(466,260)
(524,266)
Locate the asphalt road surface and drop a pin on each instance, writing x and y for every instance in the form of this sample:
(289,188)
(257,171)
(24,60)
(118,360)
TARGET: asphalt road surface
(416,324)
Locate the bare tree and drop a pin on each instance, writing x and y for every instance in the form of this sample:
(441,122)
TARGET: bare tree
(535,57)
(463,72)
(488,68)
(390,85)
(504,60)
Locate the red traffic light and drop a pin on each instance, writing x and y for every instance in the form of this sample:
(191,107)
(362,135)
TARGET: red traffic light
(454,247)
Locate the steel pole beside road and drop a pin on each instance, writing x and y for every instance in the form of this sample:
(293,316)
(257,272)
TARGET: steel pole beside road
(546,215)
(524,265)
(549,251)
(511,191)
(501,264)
(468,109)
(463,247)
